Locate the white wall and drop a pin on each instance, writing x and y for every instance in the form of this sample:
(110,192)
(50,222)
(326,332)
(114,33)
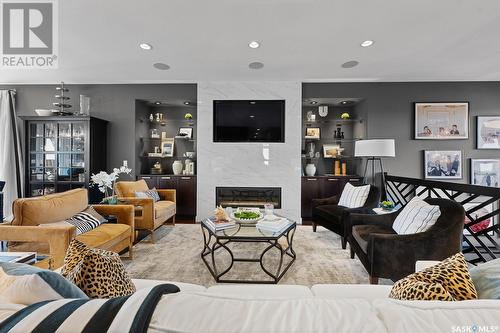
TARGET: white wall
(245,164)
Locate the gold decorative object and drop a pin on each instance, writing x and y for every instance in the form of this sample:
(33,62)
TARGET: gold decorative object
(344,168)
(336,170)
(220,214)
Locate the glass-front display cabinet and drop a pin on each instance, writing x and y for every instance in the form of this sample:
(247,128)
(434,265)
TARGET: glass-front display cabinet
(62,152)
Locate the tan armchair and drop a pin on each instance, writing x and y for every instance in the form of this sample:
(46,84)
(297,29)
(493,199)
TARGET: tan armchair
(149,215)
(38,225)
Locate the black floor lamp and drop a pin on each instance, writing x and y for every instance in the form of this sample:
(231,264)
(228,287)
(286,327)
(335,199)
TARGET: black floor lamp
(375,150)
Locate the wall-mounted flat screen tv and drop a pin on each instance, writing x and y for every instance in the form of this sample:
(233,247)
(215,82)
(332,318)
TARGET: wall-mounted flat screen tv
(249,121)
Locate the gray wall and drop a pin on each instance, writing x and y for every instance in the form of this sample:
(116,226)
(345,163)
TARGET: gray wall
(388,108)
(115,103)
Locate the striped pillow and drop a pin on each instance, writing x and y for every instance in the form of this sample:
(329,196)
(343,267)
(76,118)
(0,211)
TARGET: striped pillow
(152,193)
(87,220)
(416,216)
(354,196)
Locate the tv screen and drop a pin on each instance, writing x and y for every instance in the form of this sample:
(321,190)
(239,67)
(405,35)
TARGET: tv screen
(249,121)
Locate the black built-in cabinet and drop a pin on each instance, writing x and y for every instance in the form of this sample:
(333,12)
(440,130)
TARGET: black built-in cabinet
(323,187)
(185,187)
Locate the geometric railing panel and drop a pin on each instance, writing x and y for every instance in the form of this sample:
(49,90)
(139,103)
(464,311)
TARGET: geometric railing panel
(481,204)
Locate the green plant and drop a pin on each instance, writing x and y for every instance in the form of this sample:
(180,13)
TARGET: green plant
(345,115)
(387,204)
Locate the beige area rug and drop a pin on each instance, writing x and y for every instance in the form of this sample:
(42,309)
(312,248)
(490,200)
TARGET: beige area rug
(176,257)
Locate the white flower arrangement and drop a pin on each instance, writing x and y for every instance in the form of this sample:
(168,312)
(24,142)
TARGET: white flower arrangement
(105,181)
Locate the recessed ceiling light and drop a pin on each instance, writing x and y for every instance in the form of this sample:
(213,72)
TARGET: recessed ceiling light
(256,65)
(258,129)
(254,44)
(314,102)
(161,66)
(367,43)
(157,103)
(252,116)
(186,103)
(345,102)
(146,46)
(350,64)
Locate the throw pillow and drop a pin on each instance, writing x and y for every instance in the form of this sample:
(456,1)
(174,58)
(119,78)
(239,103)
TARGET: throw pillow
(354,196)
(486,278)
(87,220)
(448,280)
(152,193)
(99,273)
(25,284)
(417,216)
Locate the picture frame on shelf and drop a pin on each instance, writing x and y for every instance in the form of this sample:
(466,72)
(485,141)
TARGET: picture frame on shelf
(313,133)
(443,164)
(485,172)
(332,150)
(488,132)
(167,147)
(186,132)
(441,121)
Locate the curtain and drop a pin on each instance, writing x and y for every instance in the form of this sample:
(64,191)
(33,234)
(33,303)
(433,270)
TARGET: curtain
(11,168)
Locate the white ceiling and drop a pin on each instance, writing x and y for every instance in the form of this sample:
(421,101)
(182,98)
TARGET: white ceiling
(304,40)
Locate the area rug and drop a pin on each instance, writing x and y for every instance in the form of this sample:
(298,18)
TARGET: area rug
(176,257)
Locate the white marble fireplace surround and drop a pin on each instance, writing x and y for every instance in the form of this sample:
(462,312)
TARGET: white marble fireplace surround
(249,164)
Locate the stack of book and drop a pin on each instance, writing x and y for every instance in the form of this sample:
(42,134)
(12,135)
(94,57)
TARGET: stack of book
(219,226)
(273,226)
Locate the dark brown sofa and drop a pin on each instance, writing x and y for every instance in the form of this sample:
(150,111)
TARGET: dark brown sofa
(385,254)
(327,213)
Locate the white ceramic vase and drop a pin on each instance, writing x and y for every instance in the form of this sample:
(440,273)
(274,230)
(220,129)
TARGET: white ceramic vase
(310,169)
(177,167)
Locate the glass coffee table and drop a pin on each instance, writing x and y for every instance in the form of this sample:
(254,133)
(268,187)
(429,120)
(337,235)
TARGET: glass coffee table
(216,242)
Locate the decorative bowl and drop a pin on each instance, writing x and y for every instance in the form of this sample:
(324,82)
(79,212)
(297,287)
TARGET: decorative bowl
(247,220)
(43,112)
(387,205)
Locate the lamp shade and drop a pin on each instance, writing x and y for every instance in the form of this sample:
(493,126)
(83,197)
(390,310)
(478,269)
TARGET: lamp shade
(375,148)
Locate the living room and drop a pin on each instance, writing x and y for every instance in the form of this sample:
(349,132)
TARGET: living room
(259,171)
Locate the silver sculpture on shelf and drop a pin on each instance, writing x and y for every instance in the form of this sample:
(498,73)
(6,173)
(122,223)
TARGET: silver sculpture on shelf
(63,103)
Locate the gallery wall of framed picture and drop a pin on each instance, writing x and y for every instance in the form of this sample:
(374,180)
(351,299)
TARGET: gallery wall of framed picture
(441,121)
(450,121)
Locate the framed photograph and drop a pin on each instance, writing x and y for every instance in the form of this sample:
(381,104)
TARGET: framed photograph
(331,151)
(488,132)
(186,132)
(443,164)
(441,121)
(484,172)
(313,133)
(167,147)
(486,223)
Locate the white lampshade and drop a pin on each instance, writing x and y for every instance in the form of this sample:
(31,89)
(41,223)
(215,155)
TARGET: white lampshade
(375,148)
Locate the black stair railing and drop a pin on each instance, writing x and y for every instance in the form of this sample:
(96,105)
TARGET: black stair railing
(482,210)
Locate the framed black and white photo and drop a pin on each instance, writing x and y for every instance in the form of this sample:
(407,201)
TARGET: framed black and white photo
(488,132)
(441,121)
(485,172)
(443,164)
(167,147)
(313,133)
(186,132)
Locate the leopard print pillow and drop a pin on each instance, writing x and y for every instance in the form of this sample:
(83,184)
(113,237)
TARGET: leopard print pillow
(99,273)
(447,281)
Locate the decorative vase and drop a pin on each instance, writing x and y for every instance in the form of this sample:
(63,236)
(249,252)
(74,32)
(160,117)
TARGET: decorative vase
(177,167)
(310,169)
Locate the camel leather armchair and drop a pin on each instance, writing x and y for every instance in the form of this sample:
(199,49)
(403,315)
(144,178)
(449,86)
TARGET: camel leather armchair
(149,215)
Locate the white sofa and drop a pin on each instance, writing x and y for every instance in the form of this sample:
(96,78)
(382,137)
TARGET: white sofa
(322,308)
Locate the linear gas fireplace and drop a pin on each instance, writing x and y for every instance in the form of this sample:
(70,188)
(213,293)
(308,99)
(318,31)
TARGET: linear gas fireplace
(247,196)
